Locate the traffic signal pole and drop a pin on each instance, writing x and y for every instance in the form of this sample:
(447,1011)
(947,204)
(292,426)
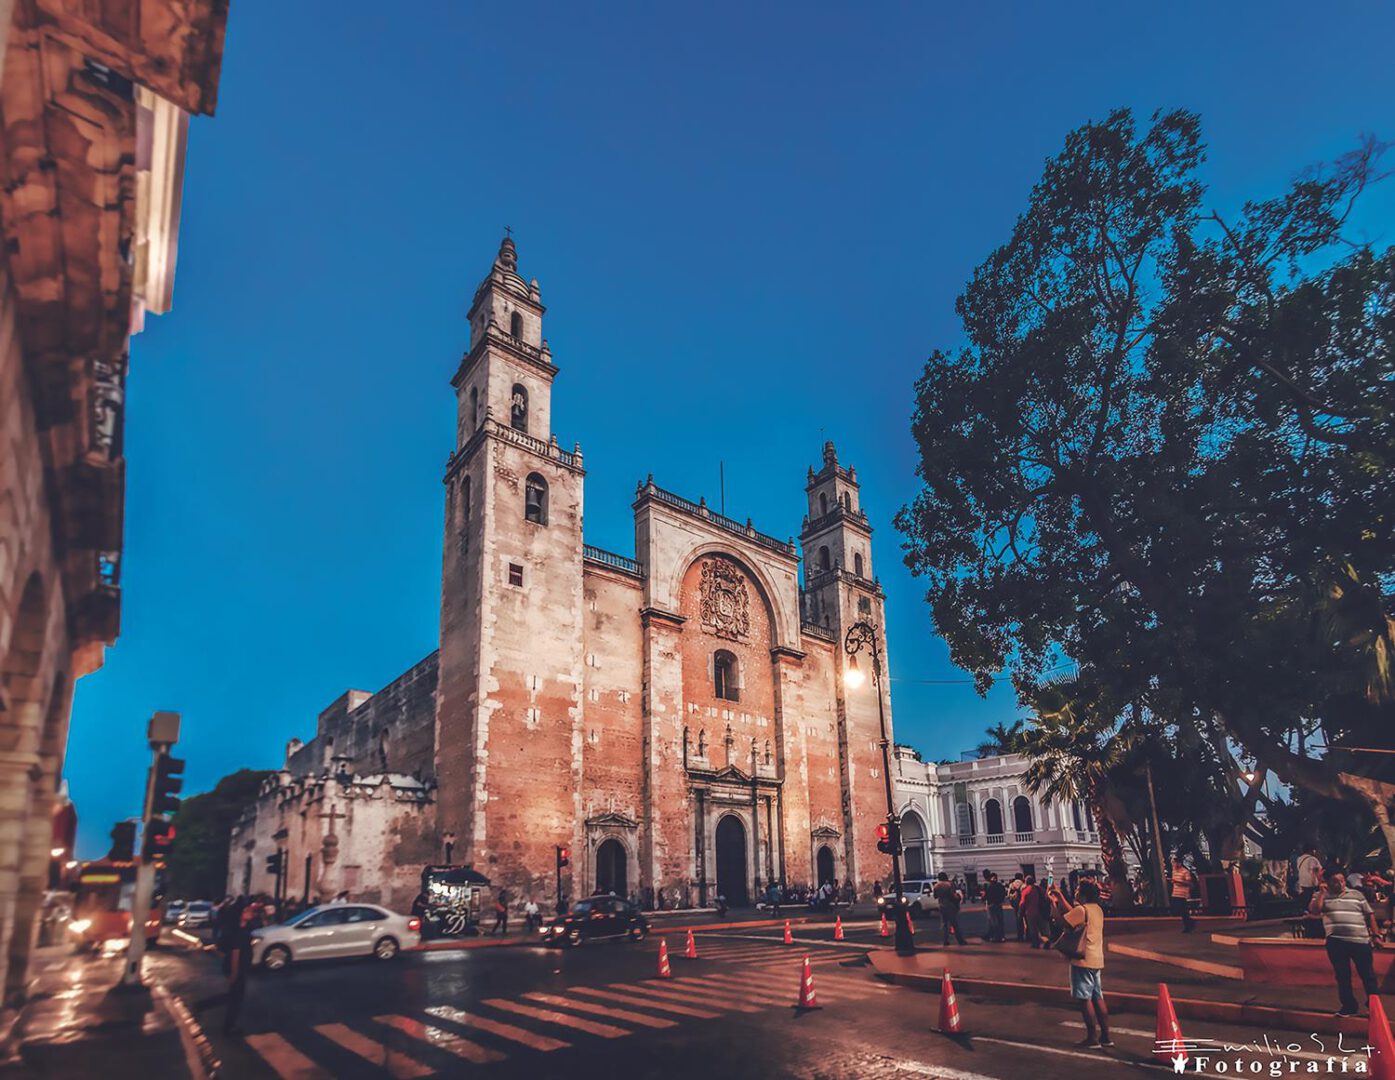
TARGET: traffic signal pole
(162,733)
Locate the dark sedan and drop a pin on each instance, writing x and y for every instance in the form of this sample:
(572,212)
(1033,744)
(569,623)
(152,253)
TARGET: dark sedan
(596,917)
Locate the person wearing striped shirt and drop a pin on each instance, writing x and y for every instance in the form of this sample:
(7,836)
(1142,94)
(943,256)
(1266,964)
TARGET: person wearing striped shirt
(1352,934)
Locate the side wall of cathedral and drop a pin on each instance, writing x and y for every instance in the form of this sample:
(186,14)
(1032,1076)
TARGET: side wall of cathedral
(393,730)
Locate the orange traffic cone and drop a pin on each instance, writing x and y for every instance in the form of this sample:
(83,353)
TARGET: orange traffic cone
(886,930)
(789,939)
(691,951)
(949,1007)
(807,998)
(664,972)
(1382,1046)
(910,926)
(838,929)
(1169,1044)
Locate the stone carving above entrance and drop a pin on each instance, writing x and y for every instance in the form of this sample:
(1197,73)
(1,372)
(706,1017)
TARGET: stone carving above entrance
(726,604)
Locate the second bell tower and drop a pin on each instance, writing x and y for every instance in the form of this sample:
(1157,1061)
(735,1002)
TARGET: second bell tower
(508,716)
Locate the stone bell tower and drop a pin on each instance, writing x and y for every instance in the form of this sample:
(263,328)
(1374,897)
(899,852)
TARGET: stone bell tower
(841,589)
(508,714)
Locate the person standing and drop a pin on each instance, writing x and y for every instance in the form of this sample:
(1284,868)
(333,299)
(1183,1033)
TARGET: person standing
(994,896)
(1015,900)
(531,915)
(949,898)
(239,965)
(501,915)
(1352,934)
(1087,965)
(1309,874)
(1034,909)
(1182,880)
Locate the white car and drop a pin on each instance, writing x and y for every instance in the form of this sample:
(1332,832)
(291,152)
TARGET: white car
(196,913)
(335,930)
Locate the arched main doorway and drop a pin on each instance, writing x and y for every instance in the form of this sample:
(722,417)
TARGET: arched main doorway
(731,860)
(913,841)
(610,868)
(826,866)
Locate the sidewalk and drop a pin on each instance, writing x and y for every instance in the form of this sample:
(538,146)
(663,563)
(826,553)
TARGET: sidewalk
(1011,971)
(77,1024)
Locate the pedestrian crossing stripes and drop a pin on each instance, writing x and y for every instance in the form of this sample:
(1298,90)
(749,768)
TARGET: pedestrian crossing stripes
(766,952)
(444,1038)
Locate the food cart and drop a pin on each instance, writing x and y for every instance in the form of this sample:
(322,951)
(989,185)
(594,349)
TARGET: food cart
(450,901)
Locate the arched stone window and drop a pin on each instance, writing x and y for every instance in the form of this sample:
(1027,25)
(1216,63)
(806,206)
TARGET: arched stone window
(1022,814)
(518,409)
(465,499)
(993,817)
(474,408)
(823,557)
(1075,814)
(725,676)
(857,563)
(535,499)
(516,325)
(823,503)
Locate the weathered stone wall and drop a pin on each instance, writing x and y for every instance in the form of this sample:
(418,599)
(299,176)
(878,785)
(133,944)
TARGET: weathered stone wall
(393,730)
(612,753)
(370,835)
(37,673)
(528,743)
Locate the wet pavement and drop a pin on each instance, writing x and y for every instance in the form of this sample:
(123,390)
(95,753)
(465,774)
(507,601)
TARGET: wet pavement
(78,1023)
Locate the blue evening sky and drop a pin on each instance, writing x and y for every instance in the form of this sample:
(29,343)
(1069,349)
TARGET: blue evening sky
(749,223)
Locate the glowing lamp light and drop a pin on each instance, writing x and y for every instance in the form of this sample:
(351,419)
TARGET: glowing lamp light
(57,852)
(854,677)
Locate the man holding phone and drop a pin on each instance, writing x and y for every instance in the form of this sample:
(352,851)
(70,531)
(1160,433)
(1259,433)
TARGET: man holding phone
(1352,935)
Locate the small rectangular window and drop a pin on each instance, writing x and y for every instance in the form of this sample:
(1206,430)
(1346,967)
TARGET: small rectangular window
(515,574)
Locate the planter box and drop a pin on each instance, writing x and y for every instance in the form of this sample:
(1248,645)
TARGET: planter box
(1303,962)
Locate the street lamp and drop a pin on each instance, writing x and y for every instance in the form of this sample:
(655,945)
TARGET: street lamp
(863,635)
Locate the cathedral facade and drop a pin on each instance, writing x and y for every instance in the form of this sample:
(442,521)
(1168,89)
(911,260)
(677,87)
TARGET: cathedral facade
(677,720)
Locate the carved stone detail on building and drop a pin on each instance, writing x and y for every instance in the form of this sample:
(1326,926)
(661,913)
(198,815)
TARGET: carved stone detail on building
(726,604)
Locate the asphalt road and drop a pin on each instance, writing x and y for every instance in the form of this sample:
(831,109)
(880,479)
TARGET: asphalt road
(599,1011)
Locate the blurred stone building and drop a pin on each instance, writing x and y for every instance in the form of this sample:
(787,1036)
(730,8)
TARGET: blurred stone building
(678,719)
(967,817)
(95,100)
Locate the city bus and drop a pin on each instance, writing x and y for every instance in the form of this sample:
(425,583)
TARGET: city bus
(102,901)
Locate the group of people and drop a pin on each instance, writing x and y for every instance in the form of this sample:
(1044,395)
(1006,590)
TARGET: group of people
(1355,907)
(819,898)
(1045,916)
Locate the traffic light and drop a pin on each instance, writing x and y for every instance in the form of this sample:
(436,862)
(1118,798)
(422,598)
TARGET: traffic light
(564,857)
(164,797)
(123,842)
(889,838)
(273,864)
(159,834)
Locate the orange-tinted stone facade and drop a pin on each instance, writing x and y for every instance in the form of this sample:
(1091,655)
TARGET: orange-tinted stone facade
(678,721)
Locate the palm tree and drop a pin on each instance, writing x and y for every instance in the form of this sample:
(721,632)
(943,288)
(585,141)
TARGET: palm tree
(1073,746)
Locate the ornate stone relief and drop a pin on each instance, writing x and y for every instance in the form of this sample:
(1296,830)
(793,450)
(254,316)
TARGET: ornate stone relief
(726,605)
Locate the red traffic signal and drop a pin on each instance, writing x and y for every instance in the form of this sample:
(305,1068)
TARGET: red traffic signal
(564,856)
(889,838)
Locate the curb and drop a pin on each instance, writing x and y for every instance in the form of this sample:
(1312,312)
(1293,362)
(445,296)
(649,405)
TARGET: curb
(1146,1004)
(1203,967)
(198,1050)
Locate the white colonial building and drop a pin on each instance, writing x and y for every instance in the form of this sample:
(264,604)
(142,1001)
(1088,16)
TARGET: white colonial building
(965,817)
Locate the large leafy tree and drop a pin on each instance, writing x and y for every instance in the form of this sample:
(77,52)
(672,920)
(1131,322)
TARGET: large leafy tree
(197,865)
(1165,452)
